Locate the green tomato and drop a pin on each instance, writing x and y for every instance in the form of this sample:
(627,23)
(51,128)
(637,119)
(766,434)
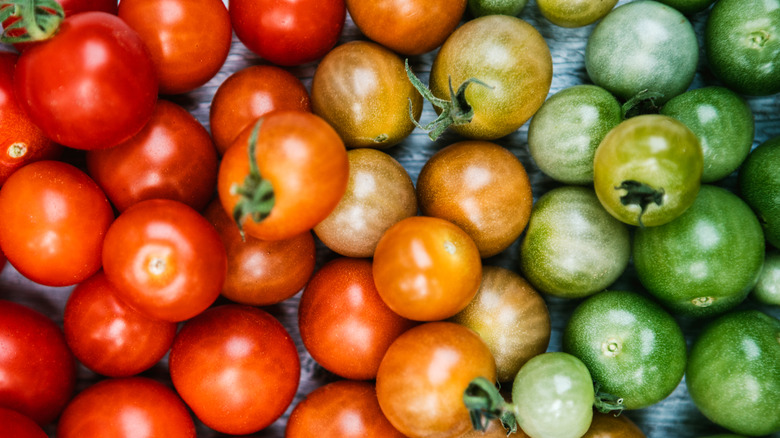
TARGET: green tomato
(722,120)
(733,372)
(574,13)
(688,7)
(759,185)
(480,8)
(564,134)
(767,290)
(706,261)
(631,346)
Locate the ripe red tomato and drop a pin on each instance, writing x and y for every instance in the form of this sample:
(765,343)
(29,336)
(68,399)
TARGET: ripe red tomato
(53,218)
(38,371)
(17,425)
(128,407)
(288,32)
(165,259)
(108,336)
(172,157)
(189,40)
(91,86)
(344,324)
(236,367)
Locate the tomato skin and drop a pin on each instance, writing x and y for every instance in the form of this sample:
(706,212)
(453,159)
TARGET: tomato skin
(345,409)
(236,367)
(165,259)
(19,426)
(38,368)
(172,157)
(103,410)
(108,336)
(288,32)
(53,218)
(575,13)
(758,185)
(344,324)
(609,425)
(767,290)
(122,88)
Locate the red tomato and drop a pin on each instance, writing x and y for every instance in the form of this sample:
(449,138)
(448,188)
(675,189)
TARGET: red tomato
(21,141)
(344,324)
(288,32)
(236,367)
(249,94)
(344,409)
(129,407)
(108,336)
(16,425)
(91,86)
(189,40)
(165,259)
(172,157)
(38,371)
(53,218)
(304,162)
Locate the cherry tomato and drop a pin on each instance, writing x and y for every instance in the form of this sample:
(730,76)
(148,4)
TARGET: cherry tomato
(689,7)
(165,259)
(288,32)
(767,289)
(53,218)
(479,8)
(108,336)
(103,88)
(576,13)
(249,94)
(344,324)
(608,425)
(172,157)
(759,184)
(38,369)
(125,408)
(17,425)
(236,367)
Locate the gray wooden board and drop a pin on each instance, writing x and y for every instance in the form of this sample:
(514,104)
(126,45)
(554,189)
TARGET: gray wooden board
(676,416)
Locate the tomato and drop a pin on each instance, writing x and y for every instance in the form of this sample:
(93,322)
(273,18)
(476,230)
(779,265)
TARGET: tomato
(608,425)
(575,13)
(179,32)
(689,7)
(573,248)
(172,157)
(564,134)
(722,121)
(706,261)
(345,409)
(420,403)
(299,175)
(733,373)
(767,289)
(125,408)
(632,347)
(38,369)
(647,170)
(21,141)
(236,367)
(481,187)
(344,324)
(165,259)
(362,90)
(108,336)
(19,426)
(511,317)
(759,184)
(53,218)
(249,94)
(426,268)
(262,272)
(115,96)
(479,8)
(288,32)
(643,46)
(408,27)
(742,46)
(513,65)
(379,193)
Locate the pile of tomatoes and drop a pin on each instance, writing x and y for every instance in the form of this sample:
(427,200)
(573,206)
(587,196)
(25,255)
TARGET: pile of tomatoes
(389,218)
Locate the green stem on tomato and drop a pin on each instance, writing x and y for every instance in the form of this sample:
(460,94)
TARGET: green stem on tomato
(256,194)
(36,20)
(485,403)
(640,194)
(606,402)
(643,102)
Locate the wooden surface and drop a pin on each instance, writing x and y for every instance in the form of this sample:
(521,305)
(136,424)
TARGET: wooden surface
(674,417)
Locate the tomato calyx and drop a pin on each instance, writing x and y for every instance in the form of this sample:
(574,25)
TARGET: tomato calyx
(605,402)
(643,102)
(256,194)
(640,194)
(454,112)
(485,403)
(30,20)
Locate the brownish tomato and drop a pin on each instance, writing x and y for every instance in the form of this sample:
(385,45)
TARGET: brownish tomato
(249,94)
(344,324)
(172,157)
(262,272)
(421,403)
(481,187)
(609,425)
(409,27)
(344,409)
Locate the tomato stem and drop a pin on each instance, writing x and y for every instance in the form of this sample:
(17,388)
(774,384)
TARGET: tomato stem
(485,403)
(32,20)
(643,102)
(256,194)
(605,402)
(641,194)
